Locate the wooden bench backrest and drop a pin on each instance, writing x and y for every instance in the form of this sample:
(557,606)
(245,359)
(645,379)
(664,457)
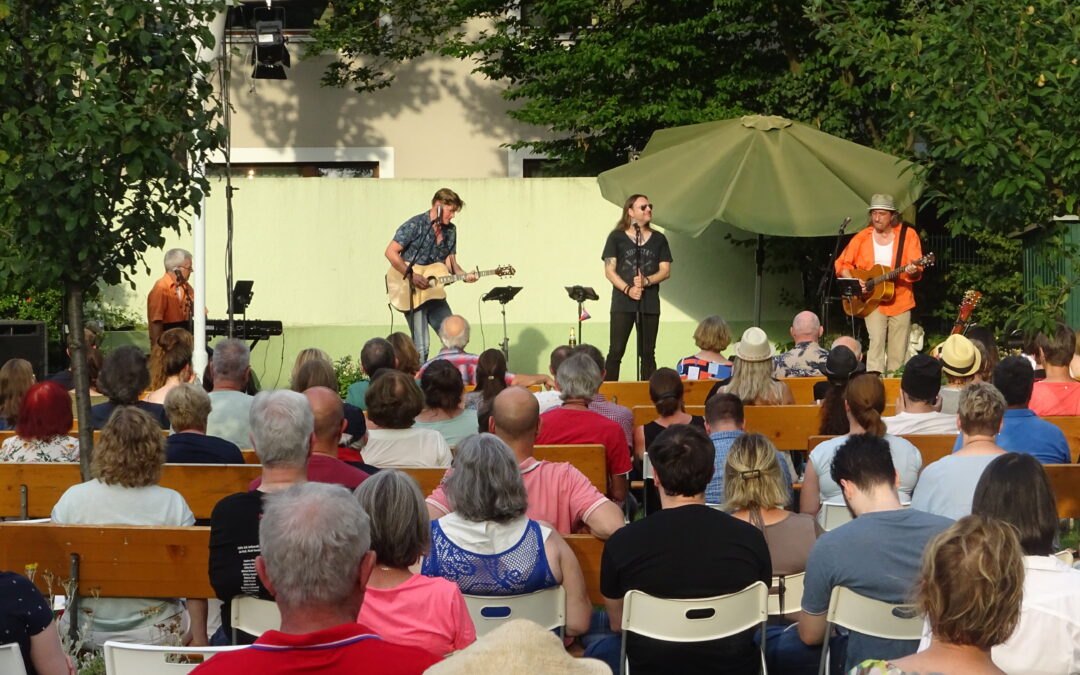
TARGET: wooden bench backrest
(588,550)
(1065,479)
(202,485)
(1070,426)
(632,394)
(932,447)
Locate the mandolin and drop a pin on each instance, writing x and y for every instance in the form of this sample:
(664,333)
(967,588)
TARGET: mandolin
(879,286)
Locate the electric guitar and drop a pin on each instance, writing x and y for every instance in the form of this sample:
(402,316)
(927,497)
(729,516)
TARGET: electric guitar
(438,276)
(879,286)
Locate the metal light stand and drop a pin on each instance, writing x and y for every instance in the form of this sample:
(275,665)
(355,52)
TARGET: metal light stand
(580,294)
(503,295)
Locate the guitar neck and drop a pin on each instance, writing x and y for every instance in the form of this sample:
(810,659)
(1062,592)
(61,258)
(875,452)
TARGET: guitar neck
(450,278)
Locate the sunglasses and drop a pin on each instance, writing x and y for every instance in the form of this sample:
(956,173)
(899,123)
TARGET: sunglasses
(645,206)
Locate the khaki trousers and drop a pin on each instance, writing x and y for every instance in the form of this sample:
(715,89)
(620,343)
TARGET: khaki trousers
(888,334)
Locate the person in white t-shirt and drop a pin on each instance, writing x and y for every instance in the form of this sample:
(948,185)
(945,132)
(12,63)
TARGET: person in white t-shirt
(918,406)
(552,398)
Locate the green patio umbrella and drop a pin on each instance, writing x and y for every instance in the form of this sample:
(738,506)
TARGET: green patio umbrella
(761,174)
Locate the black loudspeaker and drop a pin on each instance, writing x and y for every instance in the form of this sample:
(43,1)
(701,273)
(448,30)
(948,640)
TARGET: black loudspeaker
(26,340)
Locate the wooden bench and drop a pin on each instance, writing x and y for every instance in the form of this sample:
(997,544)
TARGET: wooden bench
(31,490)
(1070,426)
(1065,479)
(932,447)
(632,394)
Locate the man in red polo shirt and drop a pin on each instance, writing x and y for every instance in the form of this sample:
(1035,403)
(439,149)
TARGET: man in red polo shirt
(316,561)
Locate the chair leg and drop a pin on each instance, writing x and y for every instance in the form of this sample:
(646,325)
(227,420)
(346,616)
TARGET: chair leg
(622,655)
(764,629)
(823,668)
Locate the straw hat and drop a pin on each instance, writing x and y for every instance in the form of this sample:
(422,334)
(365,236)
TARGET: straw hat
(754,345)
(959,357)
(882,202)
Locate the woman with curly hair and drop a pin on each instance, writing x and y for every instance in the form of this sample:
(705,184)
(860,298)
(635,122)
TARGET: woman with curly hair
(16,377)
(170,363)
(124,490)
(41,434)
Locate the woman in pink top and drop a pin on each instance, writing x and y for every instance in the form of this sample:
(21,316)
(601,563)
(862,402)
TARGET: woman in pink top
(400,606)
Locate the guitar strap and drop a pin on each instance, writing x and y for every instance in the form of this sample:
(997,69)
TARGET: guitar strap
(900,245)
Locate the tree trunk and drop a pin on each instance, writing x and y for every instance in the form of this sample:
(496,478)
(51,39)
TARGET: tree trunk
(73,300)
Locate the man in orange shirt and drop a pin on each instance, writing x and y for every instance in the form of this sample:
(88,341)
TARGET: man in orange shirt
(170,302)
(877,244)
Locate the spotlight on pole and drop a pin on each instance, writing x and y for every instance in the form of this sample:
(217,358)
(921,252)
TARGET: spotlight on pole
(270,56)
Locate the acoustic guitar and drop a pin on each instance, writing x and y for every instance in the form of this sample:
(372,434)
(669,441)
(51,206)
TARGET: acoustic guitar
(438,276)
(963,314)
(879,286)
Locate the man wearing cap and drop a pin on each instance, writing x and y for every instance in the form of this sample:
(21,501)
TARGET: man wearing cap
(886,241)
(960,360)
(841,365)
(807,357)
(916,411)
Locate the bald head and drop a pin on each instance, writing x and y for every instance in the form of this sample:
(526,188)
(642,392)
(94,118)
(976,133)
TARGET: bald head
(515,414)
(328,410)
(851,343)
(454,332)
(805,327)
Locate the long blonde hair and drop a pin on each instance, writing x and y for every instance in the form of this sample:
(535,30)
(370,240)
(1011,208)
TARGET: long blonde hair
(752,477)
(753,380)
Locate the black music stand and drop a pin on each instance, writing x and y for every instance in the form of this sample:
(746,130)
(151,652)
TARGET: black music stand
(503,295)
(848,289)
(580,294)
(241,298)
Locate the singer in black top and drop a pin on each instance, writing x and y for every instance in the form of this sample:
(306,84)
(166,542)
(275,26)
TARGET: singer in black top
(636,260)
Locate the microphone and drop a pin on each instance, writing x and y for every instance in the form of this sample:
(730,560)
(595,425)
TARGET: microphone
(438,213)
(637,228)
(843,225)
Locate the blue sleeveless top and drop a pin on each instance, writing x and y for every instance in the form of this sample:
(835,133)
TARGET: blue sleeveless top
(522,568)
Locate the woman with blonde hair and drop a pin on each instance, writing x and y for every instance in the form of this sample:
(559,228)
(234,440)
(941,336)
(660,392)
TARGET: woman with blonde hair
(305,355)
(864,401)
(970,588)
(124,490)
(170,363)
(712,336)
(16,378)
(752,378)
(408,359)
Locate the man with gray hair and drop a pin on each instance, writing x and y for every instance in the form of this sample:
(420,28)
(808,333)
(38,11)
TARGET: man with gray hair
(171,301)
(230,403)
(574,423)
(807,357)
(316,560)
(282,431)
(454,333)
(188,407)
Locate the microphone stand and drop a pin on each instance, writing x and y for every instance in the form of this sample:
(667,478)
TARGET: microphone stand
(826,284)
(638,319)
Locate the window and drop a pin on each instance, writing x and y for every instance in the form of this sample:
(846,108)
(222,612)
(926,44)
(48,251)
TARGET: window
(302,169)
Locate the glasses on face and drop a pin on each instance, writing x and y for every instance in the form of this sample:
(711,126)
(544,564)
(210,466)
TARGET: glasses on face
(644,207)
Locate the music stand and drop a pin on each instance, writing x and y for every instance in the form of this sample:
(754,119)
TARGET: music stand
(503,295)
(241,298)
(849,289)
(580,294)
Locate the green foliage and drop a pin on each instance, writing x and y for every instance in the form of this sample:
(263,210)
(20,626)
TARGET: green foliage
(347,371)
(38,305)
(1055,273)
(996,274)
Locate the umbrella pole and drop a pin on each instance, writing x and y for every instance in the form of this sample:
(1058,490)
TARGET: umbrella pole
(758,279)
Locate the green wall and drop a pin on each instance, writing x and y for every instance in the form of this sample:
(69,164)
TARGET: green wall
(314,248)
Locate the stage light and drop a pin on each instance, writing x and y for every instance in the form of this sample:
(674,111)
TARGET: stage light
(270,56)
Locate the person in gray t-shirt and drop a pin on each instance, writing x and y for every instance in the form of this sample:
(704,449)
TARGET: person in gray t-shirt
(877,555)
(947,486)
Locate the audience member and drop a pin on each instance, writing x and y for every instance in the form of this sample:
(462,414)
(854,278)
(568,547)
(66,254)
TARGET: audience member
(518,646)
(1014,488)
(454,333)
(403,607)
(666,393)
(26,618)
(712,336)
(16,378)
(865,400)
(170,363)
(66,377)
(960,361)
(230,403)
(916,407)
(752,379)
(394,442)
(490,378)
(1022,431)
(41,433)
(619,414)
(970,589)
(376,355)
(123,379)
(686,550)
(1058,394)
(947,485)
(552,398)
(444,399)
(318,372)
(282,426)
(574,423)
(877,555)
(188,408)
(124,490)
(558,493)
(984,336)
(840,366)
(807,357)
(408,359)
(820,388)
(488,546)
(94,362)
(328,420)
(306,355)
(315,560)
(724,423)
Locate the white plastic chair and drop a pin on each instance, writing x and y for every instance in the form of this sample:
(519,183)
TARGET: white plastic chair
(122,658)
(694,619)
(1065,556)
(254,616)
(546,607)
(11,661)
(834,515)
(789,597)
(869,617)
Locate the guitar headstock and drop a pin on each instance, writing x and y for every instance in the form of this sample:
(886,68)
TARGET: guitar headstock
(927,260)
(967,304)
(505,271)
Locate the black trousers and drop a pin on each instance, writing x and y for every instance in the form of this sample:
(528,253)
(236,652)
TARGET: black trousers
(621,324)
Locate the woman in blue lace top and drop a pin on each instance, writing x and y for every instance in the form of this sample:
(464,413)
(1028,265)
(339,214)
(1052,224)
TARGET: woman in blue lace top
(488,546)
